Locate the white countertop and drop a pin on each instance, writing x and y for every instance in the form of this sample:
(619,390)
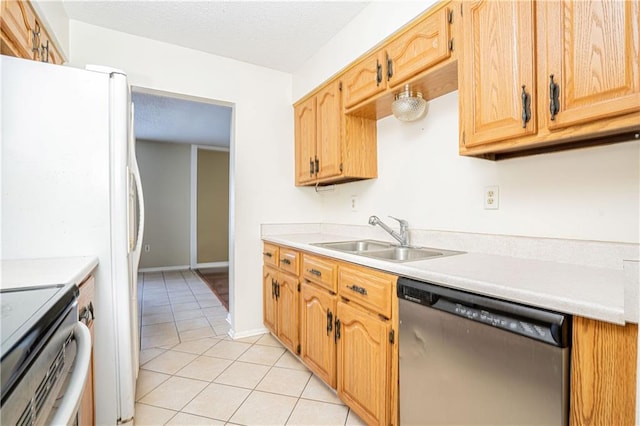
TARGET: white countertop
(597,293)
(18,273)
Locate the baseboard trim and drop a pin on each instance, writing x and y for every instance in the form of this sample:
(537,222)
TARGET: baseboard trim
(165,268)
(248,333)
(212,265)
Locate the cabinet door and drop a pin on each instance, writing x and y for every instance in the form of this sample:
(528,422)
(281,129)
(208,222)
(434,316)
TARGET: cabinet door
(305,139)
(329,130)
(364,363)
(420,47)
(317,343)
(496,62)
(287,313)
(364,79)
(592,52)
(269,301)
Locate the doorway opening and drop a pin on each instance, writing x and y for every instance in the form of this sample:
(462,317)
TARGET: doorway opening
(191,138)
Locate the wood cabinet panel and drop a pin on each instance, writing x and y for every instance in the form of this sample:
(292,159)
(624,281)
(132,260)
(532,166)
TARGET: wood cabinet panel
(270,255)
(289,260)
(23,35)
(364,364)
(603,373)
(329,131)
(418,48)
(269,301)
(321,271)
(317,343)
(592,52)
(305,140)
(497,61)
(287,311)
(370,289)
(364,79)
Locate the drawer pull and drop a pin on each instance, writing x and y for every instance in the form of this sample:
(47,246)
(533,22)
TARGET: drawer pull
(358,289)
(285,261)
(268,254)
(314,272)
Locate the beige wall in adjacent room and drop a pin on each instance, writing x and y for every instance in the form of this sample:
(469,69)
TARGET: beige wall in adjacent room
(213,206)
(165,172)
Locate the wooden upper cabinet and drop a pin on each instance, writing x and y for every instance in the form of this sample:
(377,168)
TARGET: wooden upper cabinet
(329,130)
(421,46)
(496,71)
(592,51)
(22,33)
(305,139)
(365,79)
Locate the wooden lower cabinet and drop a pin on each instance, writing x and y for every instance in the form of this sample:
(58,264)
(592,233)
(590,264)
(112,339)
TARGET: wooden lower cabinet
(280,305)
(603,373)
(364,363)
(318,348)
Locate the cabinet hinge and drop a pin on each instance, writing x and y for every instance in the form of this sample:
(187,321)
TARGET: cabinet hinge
(392,336)
(460,9)
(340,167)
(464,138)
(298,287)
(451,45)
(298,349)
(340,86)
(451,16)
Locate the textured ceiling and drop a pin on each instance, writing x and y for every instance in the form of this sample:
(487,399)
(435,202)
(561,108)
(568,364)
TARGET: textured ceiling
(280,35)
(167,119)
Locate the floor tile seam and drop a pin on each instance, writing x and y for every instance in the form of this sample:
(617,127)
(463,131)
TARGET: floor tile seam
(151,359)
(222,384)
(156,406)
(212,380)
(155,387)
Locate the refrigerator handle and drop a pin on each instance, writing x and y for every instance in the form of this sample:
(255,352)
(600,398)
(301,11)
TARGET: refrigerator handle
(135,171)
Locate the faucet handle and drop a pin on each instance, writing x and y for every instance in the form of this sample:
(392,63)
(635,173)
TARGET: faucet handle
(403,223)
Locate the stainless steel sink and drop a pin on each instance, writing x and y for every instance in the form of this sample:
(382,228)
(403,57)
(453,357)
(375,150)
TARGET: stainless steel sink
(386,251)
(356,246)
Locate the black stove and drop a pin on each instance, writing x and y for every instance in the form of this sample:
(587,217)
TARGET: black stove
(30,318)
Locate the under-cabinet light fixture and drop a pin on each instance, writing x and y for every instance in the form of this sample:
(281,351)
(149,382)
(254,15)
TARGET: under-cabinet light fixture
(409,105)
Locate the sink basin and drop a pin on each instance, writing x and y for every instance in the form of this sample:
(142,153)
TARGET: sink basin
(356,246)
(404,254)
(386,251)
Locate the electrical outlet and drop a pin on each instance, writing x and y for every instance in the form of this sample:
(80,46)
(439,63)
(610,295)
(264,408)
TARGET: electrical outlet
(147,248)
(491,197)
(354,203)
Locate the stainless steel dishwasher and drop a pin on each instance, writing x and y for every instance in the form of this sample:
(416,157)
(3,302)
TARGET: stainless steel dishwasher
(467,359)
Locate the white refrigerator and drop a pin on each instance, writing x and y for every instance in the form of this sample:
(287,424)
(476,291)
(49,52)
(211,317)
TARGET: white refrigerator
(71,187)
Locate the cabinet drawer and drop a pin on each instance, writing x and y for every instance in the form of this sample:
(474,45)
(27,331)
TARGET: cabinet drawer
(270,255)
(289,260)
(321,271)
(371,289)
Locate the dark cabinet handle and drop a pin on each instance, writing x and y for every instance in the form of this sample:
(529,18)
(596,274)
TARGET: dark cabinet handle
(526,107)
(273,288)
(554,95)
(314,272)
(329,322)
(378,73)
(358,289)
(389,67)
(317,165)
(285,261)
(267,254)
(336,336)
(277,290)
(311,170)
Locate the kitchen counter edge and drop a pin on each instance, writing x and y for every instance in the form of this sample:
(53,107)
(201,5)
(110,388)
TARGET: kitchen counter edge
(20,273)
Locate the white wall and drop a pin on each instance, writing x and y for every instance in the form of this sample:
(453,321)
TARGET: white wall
(589,194)
(261,157)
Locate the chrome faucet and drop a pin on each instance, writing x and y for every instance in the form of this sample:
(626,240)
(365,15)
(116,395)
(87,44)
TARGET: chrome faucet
(402,237)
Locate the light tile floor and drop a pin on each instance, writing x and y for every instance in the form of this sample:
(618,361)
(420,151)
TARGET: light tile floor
(193,373)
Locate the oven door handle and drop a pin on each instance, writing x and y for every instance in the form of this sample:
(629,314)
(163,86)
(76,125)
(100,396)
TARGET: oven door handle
(65,415)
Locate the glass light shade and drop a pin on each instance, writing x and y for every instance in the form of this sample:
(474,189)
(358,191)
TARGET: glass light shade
(408,106)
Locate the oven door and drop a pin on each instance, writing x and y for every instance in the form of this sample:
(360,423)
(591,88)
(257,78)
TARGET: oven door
(50,390)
